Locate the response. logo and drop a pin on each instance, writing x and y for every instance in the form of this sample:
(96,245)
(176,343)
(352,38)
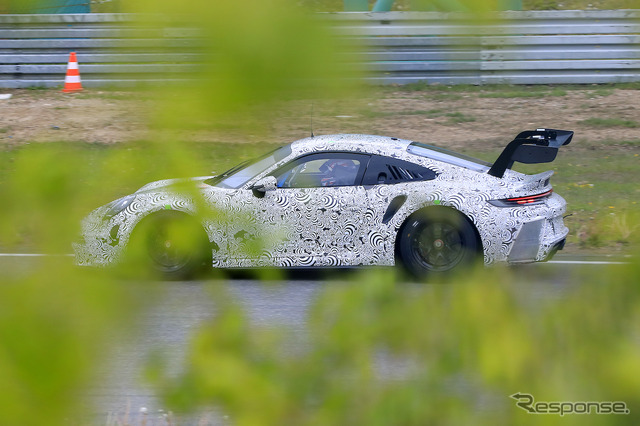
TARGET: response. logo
(527,403)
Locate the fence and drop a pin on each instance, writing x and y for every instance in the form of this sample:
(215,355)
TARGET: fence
(535,47)
(113,49)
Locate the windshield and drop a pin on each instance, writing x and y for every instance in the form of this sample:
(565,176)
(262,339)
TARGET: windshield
(447,156)
(237,176)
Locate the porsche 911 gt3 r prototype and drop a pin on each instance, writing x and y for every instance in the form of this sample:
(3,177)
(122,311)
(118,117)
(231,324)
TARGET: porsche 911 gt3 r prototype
(343,200)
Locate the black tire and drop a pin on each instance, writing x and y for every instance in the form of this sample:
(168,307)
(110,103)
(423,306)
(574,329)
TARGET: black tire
(173,245)
(437,241)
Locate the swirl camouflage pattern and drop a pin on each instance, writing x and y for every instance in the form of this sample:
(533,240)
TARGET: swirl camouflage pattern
(346,200)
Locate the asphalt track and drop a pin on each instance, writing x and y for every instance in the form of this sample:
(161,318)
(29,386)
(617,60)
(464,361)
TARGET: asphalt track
(183,306)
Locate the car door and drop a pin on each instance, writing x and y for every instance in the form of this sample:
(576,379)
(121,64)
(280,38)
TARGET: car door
(388,183)
(315,217)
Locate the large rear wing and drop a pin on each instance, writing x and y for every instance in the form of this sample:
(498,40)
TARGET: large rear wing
(531,147)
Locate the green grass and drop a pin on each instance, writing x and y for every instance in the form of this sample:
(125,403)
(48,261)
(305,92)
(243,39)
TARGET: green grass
(369,113)
(93,175)
(601,184)
(596,179)
(610,122)
(432,113)
(522,93)
(635,143)
(578,4)
(442,96)
(600,92)
(601,188)
(424,86)
(626,86)
(513,94)
(114,95)
(511,91)
(429,113)
(142,162)
(452,117)
(458,118)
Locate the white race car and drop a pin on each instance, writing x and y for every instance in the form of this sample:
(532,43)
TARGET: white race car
(341,200)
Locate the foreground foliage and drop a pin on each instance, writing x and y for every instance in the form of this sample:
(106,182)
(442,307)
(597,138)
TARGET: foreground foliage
(381,352)
(375,351)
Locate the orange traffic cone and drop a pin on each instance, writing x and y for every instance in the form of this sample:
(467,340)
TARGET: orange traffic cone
(72,80)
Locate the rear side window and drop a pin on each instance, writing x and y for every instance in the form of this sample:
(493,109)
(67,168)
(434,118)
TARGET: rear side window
(450,157)
(385,170)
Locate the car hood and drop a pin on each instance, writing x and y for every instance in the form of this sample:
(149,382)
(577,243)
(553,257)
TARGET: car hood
(167,183)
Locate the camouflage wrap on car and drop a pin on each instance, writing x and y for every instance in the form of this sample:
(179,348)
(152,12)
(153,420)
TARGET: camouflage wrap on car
(336,226)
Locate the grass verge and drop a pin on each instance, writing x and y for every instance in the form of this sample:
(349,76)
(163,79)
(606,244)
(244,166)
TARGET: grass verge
(601,184)
(600,181)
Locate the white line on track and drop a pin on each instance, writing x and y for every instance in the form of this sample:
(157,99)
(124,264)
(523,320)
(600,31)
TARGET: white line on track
(31,255)
(587,262)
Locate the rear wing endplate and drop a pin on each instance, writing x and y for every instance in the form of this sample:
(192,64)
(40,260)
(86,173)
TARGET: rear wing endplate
(531,147)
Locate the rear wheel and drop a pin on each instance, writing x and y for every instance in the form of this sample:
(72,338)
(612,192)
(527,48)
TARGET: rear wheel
(172,244)
(437,240)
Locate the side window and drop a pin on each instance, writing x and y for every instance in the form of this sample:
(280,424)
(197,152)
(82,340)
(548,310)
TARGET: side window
(329,169)
(386,170)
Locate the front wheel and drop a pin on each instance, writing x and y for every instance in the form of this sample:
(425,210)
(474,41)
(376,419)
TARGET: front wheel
(171,244)
(437,241)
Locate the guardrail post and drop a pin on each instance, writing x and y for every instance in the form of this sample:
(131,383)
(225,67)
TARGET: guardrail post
(510,5)
(356,5)
(382,6)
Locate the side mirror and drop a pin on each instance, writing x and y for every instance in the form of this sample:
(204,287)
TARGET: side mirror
(267,183)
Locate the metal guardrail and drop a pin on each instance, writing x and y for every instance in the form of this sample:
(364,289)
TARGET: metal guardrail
(112,49)
(534,47)
(531,47)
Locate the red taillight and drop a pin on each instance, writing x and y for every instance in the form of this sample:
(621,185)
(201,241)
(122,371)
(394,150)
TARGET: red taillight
(530,198)
(522,201)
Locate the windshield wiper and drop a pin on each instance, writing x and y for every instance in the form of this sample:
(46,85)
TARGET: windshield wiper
(212,181)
